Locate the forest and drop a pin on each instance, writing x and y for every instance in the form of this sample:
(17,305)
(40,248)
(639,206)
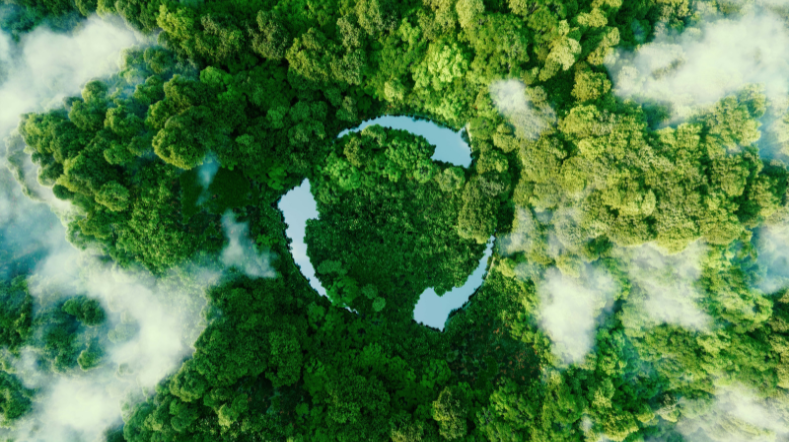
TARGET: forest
(638,289)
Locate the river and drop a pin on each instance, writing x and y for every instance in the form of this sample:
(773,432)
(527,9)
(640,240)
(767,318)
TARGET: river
(298,205)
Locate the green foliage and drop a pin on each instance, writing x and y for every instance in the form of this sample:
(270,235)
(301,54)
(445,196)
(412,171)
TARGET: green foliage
(90,357)
(87,311)
(448,410)
(60,335)
(477,218)
(16,313)
(263,88)
(469,11)
(272,40)
(15,399)
(379,304)
(409,243)
(66,342)
(113,196)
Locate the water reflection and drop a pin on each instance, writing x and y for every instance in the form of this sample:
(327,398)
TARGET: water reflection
(450,146)
(298,206)
(433,310)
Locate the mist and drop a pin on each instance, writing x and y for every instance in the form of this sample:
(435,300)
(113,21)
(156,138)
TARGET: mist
(47,66)
(571,299)
(664,286)
(737,414)
(514,103)
(28,229)
(241,251)
(772,258)
(702,65)
(206,172)
(570,307)
(35,74)
(523,236)
(152,322)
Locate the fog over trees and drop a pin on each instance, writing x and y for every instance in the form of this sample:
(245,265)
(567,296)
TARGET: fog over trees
(629,158)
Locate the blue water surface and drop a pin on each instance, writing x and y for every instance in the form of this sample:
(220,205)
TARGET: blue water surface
(298,206)
(433,310)
(450,146)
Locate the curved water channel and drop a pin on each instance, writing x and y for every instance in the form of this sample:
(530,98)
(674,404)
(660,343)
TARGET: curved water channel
(298,206)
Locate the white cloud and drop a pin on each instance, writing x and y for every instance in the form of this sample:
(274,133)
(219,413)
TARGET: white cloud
(664,287)
(44,67)
(165,310)
(704,64)
(207,171)
(79,407)
(47,66)
(205,175)
(569,308)
(28,229)
(241,251)
(5,48)
(737,414)
(523,236)
(513,101)
(772,247)
(162,315)
(762,2)
(164,318)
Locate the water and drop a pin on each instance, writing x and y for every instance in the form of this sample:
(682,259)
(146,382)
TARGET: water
(450,146)
(298,206)
(433,310)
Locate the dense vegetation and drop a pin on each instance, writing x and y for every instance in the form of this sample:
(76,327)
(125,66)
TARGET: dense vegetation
(389,223)
(576,182)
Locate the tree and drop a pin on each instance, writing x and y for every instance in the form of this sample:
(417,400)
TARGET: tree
(16,313)
(390,170)
(590,85)
(87,311)
(375,15)
(113,196)
(91,357)
(478,216)
(468,11)
(178,143)
(449,411)
(15,400)
(264,88)
(442,65)
(273,39)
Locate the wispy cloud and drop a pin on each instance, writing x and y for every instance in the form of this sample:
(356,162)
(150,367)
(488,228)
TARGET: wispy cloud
(664,286)
(513,102)
(241,251)
(737,414)
(772,248)
(160,317)
(523,236)
(157,320)
(207,171)
(706,63)
(46,66)
(152,322)
(570,307)
(28,229)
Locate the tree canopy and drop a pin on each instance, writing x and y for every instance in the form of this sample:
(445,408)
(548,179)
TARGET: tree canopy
(239,102)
